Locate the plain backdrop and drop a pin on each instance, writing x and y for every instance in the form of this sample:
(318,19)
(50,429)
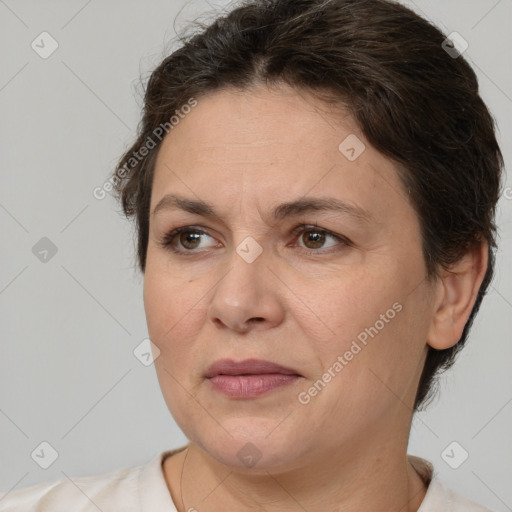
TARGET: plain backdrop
(70,323)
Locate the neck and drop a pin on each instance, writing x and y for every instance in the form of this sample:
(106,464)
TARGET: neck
(374,477)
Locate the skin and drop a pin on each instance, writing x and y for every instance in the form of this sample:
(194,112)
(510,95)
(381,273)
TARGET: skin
(245,152)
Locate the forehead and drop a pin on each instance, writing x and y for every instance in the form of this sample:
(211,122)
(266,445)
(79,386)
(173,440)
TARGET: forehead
(266,123)
(267,144)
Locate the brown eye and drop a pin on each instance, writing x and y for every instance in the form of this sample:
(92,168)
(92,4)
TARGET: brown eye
(189,239)
(315,238)
(185,240)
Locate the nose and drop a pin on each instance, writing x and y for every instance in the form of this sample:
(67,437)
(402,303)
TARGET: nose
(248,296)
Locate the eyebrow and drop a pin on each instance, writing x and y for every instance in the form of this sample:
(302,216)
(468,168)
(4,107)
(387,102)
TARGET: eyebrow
(281,211)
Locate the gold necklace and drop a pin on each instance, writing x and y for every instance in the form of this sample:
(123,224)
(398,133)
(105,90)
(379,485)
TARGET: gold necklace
(181,478)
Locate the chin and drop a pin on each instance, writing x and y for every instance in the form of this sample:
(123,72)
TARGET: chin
(249,444)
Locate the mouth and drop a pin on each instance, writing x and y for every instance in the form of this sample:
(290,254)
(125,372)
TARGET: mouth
(247,367)
(249,378)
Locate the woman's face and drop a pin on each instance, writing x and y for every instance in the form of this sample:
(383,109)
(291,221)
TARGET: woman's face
(309,257)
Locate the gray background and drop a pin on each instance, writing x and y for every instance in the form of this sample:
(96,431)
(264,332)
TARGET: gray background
(69,326)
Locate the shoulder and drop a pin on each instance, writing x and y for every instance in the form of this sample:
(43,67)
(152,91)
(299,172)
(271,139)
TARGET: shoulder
(115,490)
(439,497)
(443,498)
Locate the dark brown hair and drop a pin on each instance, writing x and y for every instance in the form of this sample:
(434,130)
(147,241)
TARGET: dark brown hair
(414,102)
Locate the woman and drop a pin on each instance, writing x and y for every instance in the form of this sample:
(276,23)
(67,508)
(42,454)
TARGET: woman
(314,186)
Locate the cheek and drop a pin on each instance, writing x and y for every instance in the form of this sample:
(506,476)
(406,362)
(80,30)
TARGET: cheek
(172,308)
(173,316)
(370,320)
(336,310)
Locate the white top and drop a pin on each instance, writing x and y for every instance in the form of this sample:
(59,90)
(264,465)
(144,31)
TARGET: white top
(144,489)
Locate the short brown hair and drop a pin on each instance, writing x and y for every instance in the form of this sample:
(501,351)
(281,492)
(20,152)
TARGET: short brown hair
(413,101)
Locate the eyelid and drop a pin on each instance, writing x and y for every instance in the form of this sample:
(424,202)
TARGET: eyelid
(314,227)
(168,238)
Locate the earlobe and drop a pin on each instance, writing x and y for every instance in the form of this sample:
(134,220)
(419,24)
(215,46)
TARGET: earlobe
(457,290)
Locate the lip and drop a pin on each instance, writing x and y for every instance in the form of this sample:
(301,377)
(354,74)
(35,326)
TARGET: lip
(246,367)
(249,378)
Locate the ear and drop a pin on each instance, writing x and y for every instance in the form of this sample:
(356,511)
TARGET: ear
(457,289)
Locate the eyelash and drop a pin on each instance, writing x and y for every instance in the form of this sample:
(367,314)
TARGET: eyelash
(167,241)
